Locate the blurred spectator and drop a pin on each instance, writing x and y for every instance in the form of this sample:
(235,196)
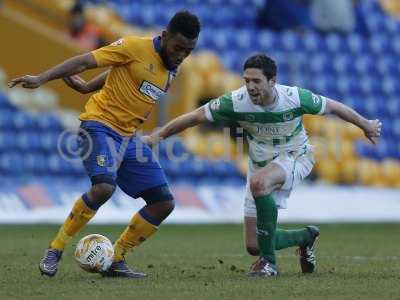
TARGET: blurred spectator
(88,35)
(338,15)
(391,7)
(284,14)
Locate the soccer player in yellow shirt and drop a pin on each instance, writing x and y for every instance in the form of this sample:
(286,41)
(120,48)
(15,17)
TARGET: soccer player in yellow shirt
(141,71)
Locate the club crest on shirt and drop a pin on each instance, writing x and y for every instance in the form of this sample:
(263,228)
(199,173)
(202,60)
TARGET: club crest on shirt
(150,68)
(101,160)
(250,118)
(288,116)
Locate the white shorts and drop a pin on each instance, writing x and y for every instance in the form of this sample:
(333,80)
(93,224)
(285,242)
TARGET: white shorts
(296,166)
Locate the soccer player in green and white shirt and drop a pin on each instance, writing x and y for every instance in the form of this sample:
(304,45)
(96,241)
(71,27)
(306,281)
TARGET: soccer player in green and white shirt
(280,155)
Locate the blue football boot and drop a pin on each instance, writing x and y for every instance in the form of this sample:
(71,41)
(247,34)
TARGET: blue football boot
(49,263)
(120,269)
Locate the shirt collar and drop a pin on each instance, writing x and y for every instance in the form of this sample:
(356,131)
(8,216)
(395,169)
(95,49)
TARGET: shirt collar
(157,43)
(157,47)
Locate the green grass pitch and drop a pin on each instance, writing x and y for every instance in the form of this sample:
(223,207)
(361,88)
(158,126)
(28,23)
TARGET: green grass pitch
(208,262)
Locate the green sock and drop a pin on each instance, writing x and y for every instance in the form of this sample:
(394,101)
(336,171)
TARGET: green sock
(289,238)
(267,215)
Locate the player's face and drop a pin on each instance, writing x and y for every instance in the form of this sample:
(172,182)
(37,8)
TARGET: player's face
(258,86)
(175,48)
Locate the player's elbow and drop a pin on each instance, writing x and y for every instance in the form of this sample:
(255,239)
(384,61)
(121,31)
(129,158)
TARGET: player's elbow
(84,90)
(84,62)
(332,107)
(199,116)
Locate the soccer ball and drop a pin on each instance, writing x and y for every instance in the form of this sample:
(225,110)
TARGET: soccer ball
(94,253)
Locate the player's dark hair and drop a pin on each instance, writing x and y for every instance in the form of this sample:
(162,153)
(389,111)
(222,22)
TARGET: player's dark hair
(185,23)
(263,62)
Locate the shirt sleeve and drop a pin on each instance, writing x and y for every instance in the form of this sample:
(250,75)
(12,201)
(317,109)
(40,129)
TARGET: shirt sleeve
(117,53)
(220,109)
(311,103)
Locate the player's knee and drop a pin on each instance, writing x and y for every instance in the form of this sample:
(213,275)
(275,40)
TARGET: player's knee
(166,207)
(101,192)
(260,186)
(257,186)
(161,210)
(252,250)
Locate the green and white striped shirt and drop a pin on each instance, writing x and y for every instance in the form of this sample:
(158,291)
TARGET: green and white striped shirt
(270,130)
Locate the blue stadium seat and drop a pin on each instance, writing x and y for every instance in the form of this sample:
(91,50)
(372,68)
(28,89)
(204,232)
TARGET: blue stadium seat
(386,65)
(243,40)
(374,23)
(312,42)
(323,85)
(379,44)
(6,119)
(355,43)
(345,85)
(12,163)
(290,41)
(200,168)
(173,169)
(23,121)
(359,105)
(391,25)
(395,45)
(342,63)
(232,60)
(393,107)
(49,122)
(390,86)
(370,106)
(396,127)
(267,40)
(48,141)
(387,129)
(320,63)
(54,164)
(335,43)
(364,64)
(27,141)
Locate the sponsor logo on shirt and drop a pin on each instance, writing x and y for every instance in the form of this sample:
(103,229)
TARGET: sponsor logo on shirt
(288,116)
(152,91)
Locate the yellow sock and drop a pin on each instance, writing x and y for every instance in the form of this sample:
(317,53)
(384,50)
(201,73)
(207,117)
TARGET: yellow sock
(77,219)
(137,231)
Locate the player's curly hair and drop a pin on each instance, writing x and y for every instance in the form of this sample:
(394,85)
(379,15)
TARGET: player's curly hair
(185,23)
(263,62)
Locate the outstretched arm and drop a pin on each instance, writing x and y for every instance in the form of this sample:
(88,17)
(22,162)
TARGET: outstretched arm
(72,66)
(371,128)
(177,125)
(78,84)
